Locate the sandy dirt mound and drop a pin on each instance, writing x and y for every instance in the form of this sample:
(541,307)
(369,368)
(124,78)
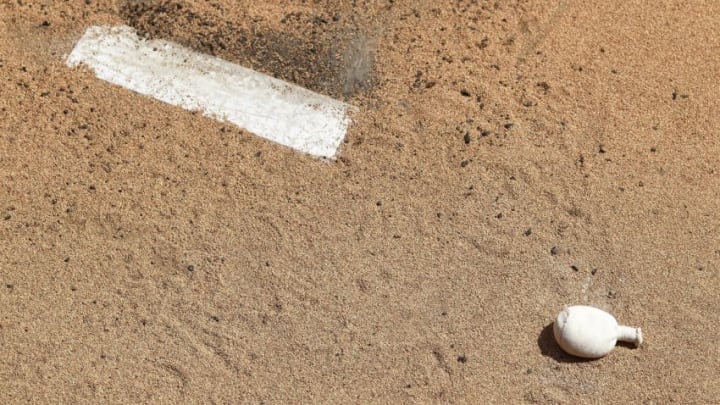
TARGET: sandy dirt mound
(507,158)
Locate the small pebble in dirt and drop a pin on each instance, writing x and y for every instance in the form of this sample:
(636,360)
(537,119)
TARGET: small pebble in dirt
(467,138)
(601,149)
(45,23)
(528,232)
(464,163)
(675,95)
(554,250)
(465,93)
(574,268)
(509,125)
(593,271)
(462,359)
(191,268)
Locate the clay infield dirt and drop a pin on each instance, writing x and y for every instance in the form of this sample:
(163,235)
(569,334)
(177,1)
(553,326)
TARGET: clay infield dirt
(506,159)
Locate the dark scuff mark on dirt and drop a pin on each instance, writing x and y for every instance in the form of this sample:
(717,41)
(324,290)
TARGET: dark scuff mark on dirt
(317,52)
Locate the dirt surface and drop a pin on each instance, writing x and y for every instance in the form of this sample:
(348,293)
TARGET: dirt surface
(506,159)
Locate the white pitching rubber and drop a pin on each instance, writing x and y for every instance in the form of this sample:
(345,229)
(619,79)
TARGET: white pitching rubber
(590,332)
(273,109)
